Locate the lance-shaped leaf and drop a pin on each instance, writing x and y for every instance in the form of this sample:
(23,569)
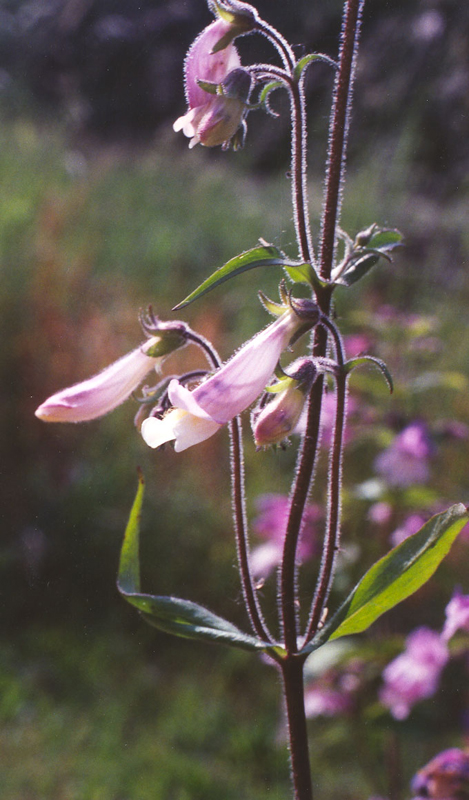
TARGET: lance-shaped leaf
(395,577)
(265,255)
(171,614)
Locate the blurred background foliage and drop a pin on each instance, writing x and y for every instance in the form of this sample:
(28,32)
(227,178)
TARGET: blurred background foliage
(102,211)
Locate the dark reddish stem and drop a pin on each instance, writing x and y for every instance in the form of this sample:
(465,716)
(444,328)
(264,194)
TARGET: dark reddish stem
(249,592)
(293,682)
(338,132)
(331,543)
(292,666)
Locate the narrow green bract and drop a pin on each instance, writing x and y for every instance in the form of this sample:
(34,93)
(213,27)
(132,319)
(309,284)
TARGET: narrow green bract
(262,256)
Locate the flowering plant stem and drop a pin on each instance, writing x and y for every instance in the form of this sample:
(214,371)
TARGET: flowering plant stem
(292,665)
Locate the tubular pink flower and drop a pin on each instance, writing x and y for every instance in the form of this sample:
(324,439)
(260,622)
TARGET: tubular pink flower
(198,414)
(211,119)
(98,395)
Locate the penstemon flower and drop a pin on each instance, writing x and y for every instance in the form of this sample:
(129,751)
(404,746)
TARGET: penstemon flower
(214,118)
(105,391)
(196,415)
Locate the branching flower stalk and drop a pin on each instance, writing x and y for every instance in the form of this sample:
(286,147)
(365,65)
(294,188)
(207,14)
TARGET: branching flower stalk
(308,452)
(188,408)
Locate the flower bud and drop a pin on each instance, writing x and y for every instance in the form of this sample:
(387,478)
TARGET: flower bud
(277,420)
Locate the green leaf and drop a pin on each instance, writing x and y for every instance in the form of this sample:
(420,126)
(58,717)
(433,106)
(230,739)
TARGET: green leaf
(395,577)
(385,239)
(357,269)
(307,60)
(365,256)
(304,273)
(171,614)
(265,255)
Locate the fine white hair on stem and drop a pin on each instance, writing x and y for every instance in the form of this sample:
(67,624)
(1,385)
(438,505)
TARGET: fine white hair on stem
(338,139)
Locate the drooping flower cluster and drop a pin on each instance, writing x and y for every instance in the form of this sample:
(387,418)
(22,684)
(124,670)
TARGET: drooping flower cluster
(186,416)
(274,421)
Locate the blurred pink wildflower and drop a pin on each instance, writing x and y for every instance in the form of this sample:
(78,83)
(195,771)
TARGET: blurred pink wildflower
(414,674)
(410,525)
(380,513)
(322,701)
(270,524)
(356,344)
(445,777)
(457,615)
(406,460)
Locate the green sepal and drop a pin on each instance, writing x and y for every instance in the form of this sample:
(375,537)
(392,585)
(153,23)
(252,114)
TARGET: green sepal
(210,88)
(379,242)
(307,60)
(284,382)
(394,577)
(241,18)
(265,95)
(360,360)
(276,309)
(264,255)
(171,614)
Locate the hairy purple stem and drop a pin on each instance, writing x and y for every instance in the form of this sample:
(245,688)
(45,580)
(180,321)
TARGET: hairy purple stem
(331,543)
(338,132)
(299,176)
(292,666)
(292,673)
(249,593)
